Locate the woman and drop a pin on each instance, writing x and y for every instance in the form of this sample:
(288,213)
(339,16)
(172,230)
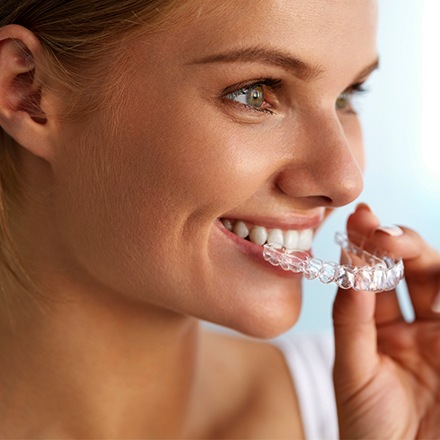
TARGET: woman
(135,135)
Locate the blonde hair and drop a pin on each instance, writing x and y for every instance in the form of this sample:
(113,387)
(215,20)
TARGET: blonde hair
(76,36)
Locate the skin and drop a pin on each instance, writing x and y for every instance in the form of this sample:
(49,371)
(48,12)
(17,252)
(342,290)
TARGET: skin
(387,371)
(192,158)
(122,227)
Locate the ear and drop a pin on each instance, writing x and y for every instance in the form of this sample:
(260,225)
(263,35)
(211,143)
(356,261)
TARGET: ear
(22,112)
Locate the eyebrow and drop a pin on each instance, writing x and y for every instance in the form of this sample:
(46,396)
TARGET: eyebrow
(275,57)
(265,55)
(367,70)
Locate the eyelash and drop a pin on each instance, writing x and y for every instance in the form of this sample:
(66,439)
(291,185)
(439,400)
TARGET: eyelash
(353,90)
(272,84)
(269,84)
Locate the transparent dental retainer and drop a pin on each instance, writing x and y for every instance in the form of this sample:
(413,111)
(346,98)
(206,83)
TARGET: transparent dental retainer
(379,273)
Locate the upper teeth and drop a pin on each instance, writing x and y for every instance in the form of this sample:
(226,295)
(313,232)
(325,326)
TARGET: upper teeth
(291,239)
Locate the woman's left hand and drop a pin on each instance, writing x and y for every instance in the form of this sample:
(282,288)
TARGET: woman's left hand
(387,370)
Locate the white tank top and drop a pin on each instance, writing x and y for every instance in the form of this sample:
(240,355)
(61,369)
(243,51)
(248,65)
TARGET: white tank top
(310,360)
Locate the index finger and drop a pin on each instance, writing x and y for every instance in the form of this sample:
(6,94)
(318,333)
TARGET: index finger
(361,225)
(422,268)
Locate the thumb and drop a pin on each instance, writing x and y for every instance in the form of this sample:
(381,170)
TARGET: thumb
(355,334)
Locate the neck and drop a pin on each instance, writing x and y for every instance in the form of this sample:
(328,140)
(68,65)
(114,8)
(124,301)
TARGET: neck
(97,367)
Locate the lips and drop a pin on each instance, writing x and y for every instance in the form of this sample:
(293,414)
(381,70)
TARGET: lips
(298,239)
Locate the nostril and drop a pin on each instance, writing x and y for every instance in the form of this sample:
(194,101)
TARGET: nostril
(326,200)
(321,200)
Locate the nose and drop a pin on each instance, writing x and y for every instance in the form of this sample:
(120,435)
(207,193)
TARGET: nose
(325,165)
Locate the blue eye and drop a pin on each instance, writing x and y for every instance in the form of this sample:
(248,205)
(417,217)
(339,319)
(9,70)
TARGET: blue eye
(253,96)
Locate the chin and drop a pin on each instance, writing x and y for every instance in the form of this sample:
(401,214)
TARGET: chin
(266,318)
(265,328)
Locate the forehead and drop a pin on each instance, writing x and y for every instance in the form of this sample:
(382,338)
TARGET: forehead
(327,33)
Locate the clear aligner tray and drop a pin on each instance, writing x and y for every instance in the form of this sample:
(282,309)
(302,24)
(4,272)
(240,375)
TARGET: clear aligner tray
(378,274)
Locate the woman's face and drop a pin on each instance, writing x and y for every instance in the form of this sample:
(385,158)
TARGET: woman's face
(240,114)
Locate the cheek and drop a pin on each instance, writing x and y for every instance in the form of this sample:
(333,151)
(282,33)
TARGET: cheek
(198,162)
(143,197)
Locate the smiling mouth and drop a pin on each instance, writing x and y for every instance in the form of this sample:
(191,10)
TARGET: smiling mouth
(294,239)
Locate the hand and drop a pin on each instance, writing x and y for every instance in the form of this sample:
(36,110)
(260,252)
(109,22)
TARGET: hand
(387,371)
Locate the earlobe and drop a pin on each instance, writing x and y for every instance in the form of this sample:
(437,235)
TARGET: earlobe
(21,112)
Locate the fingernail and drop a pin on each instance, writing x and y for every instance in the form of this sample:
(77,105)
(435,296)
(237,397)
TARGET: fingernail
(363,206)
(436,304)
(393,231)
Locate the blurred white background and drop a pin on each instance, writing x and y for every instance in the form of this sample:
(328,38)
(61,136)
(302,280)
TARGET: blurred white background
(401,122)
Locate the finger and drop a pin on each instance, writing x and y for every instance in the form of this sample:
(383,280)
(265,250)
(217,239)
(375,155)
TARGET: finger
(360,225)
(422,267)
(355,338)
(388,310)
(435,308)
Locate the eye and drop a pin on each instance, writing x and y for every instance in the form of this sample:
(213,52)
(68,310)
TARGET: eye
(343,101)
(253,96)
(258,96)
(346,100)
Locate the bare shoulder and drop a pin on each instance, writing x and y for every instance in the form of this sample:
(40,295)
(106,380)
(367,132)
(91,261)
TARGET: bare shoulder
(253,387)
